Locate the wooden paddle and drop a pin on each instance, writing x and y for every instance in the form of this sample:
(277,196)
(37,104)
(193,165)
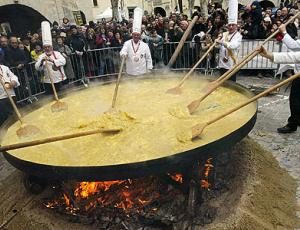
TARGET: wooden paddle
(177,89)
(58,105)
(182,41)
(25,130)
(197,130)
(113,104)
(192,107)
(264,42)
(57,138)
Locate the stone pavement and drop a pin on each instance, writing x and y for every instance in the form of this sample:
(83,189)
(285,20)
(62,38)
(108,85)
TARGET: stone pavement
(273,112)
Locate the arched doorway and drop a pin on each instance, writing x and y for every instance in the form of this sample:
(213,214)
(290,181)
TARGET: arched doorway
(21,18)
(266,4)
(159,10)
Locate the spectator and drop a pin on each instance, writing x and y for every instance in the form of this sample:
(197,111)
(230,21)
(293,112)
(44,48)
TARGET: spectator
(117,41)
(284,14)
(26,52)
(66,25)
(14,56)
(66,53)
(291,28)
(91,38)
(37,51)
(3,49)
(156,48)
(78,45)
(101,38)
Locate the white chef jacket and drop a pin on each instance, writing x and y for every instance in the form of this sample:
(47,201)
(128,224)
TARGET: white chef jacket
(138,59)
(233,43)
(286,58)
(293,45)
(8,76)
(57,74)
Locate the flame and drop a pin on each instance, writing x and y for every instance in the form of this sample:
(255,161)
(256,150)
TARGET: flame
(86,189)
(177,177)
(207,169)
(127,195)
(67,200)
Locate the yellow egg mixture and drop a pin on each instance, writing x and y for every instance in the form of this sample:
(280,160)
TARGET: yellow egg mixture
(151,120)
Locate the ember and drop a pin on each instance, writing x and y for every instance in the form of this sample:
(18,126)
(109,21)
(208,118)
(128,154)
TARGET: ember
(207,169)
(135,198)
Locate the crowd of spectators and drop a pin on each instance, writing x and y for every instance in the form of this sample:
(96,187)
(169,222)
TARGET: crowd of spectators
(254,22)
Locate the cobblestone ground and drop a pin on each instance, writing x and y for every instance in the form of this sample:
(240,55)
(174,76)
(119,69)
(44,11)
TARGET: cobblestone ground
(273,112)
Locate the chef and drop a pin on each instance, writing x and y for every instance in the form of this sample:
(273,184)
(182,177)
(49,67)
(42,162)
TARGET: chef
(10,82)
(50,62)
(229,41)
(137,52)
(288,58)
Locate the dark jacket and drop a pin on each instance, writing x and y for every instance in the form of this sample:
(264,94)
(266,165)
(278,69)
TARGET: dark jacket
(78,43)
(15,56)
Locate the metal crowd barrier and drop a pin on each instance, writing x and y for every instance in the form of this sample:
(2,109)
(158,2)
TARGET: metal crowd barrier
(105,62)
(259,62)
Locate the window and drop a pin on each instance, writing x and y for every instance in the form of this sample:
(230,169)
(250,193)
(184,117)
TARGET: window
(95,2)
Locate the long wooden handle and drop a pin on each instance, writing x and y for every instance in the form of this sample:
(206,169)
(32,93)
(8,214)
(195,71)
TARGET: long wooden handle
(237,65)
(51,80)
(53,139)
(255,97)
(12,101)
(194,67)
(195,104)
(182,41)
(118,82)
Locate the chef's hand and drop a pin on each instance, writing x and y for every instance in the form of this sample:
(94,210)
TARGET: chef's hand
(20,66)
(218,41)
(123,56)
(264,53)
(45,59)
(9,85)
(79,53)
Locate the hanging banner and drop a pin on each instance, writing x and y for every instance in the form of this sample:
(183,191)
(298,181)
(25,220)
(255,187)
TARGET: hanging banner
(78,18)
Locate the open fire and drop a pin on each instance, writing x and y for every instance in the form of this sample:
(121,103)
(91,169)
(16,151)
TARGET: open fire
(127,197)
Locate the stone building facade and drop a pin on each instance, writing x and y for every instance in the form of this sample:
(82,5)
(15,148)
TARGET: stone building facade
(20,16)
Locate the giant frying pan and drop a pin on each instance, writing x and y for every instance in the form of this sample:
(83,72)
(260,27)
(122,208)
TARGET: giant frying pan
(148,143)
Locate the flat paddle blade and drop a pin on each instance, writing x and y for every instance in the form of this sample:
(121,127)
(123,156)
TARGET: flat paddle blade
(27,131)
(59,106)
(191,134)
(197,130)
(192,107)
(175,90)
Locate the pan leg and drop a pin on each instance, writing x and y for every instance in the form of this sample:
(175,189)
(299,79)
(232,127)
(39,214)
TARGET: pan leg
(33,184)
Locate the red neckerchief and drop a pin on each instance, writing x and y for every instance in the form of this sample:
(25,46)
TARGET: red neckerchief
(62,76)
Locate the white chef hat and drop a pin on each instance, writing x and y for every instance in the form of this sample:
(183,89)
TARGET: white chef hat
(233,12)
(46,33)
(137,20)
